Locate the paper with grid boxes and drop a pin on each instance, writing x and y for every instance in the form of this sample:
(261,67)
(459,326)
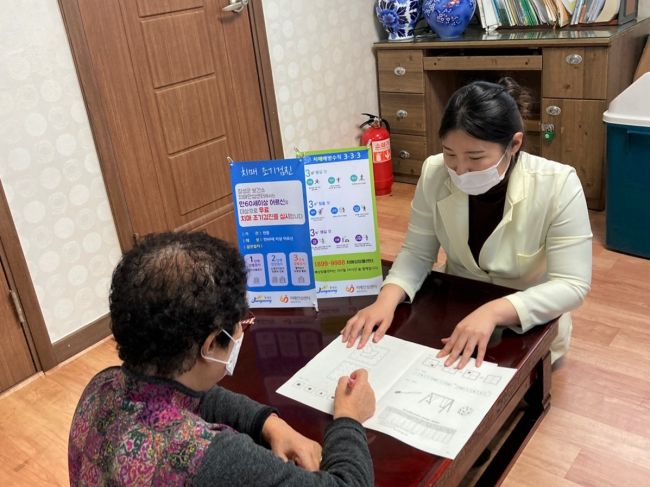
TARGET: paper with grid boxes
(419,401)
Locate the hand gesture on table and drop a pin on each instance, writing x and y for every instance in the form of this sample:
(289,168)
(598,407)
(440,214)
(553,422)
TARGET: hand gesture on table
(474,332)
(380,314)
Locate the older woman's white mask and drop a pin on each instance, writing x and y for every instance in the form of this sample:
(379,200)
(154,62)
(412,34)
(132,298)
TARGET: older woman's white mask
(234,353)
(479,182)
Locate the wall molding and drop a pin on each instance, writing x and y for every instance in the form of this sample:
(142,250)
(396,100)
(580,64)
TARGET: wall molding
(82,338)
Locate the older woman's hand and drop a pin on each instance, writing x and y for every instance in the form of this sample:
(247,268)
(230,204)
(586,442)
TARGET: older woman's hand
(288,444)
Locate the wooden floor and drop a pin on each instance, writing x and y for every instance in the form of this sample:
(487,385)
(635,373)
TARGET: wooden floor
(597,432)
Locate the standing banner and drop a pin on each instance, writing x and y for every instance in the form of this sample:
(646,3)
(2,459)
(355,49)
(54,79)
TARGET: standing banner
(273,232)
(343,222)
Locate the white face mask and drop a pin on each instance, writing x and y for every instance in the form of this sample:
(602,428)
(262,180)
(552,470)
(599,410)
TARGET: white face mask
(479,182)
(234,353)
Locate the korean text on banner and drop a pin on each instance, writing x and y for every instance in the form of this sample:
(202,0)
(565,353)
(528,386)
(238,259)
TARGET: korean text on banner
(273,232)
(343,222)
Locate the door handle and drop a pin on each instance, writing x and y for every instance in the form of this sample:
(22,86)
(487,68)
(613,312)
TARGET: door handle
(236,6)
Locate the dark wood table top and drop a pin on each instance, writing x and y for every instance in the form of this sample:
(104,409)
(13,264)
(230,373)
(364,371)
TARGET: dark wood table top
(284,340)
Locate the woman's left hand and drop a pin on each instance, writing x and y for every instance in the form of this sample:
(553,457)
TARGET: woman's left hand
(474,331)
(288,444)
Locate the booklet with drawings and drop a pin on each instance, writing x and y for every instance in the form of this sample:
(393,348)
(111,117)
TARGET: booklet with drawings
(419,401)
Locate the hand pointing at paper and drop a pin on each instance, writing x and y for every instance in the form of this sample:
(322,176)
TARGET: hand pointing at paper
(354,397)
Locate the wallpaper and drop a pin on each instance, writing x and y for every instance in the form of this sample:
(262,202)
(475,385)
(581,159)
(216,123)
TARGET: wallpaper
(49,169)
(323,70)
(644,8)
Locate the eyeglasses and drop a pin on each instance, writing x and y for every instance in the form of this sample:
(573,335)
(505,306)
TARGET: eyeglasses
(247,322)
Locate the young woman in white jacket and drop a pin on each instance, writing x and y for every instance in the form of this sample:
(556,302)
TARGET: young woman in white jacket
(502,216)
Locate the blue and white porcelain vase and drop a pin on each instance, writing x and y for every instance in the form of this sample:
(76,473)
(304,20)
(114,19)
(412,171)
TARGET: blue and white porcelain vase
(448,18)
(398,17)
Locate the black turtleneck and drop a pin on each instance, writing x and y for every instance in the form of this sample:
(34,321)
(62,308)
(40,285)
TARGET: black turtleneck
(485,213)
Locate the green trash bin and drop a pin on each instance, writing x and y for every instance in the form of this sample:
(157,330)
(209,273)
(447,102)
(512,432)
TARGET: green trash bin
(628,170)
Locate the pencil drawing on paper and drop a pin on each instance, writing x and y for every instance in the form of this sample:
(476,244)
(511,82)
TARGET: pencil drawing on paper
(492,379)
(432,361)
(465,410)
(432,399)
(370,355)
(344,368)
(414,425)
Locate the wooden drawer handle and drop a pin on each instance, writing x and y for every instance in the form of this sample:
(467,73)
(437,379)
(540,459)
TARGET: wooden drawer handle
(401,114)
(553,110)
(573,59)
(404,154)
(399,71)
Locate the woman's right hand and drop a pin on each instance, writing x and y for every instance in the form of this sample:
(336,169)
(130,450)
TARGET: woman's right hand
(354,397)
(380,314)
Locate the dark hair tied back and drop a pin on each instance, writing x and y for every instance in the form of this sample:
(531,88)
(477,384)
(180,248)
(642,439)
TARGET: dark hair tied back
(487,111)
(521,95)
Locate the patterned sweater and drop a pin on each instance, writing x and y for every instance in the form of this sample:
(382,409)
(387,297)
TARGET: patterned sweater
(138,430)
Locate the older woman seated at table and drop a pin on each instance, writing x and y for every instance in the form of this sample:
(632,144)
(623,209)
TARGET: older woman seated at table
(177,302)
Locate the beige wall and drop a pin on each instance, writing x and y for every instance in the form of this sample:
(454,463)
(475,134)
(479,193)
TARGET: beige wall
(323,70)
(49,169)
(644,8)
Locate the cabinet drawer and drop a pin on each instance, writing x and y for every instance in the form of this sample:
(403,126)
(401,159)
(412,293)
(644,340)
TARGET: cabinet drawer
(405,113)
(408,152)
(575,72)
(400,71)
(482,63)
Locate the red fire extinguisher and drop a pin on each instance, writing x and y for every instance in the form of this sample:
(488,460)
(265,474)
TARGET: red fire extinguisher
(378,136)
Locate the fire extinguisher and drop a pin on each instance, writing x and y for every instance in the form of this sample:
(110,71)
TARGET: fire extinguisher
(377,135)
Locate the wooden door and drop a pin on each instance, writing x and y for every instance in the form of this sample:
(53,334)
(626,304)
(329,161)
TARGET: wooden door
(173,90)
(16,362)
(579,142)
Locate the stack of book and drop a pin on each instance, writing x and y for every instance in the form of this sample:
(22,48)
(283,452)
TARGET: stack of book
(523,13)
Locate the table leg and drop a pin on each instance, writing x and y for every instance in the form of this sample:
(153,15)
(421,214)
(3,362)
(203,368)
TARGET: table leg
(538,396)
(523,422)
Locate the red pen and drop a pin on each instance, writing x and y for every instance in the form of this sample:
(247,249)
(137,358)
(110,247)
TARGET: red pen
(351,382)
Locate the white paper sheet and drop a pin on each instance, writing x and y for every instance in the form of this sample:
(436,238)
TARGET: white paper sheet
(419,401)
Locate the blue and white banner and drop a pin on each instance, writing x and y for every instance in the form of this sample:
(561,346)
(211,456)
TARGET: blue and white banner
(273,232)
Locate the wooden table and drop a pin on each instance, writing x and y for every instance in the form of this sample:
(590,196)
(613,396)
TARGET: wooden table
(282,341)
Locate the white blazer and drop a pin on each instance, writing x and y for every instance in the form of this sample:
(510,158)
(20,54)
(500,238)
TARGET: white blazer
(542,246)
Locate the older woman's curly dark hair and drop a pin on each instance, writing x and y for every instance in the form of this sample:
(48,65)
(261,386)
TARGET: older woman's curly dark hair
(168,294)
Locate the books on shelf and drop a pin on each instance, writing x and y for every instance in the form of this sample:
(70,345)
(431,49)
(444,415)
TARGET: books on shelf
(488,14)
(563,17)
(528,13)
(609,11)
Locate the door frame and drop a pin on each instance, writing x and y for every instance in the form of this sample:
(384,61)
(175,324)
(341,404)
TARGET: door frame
(20,281)
(106,154)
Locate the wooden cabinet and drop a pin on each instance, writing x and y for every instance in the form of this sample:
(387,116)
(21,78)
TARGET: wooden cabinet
(575,72)
(572,75)
(579,141)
